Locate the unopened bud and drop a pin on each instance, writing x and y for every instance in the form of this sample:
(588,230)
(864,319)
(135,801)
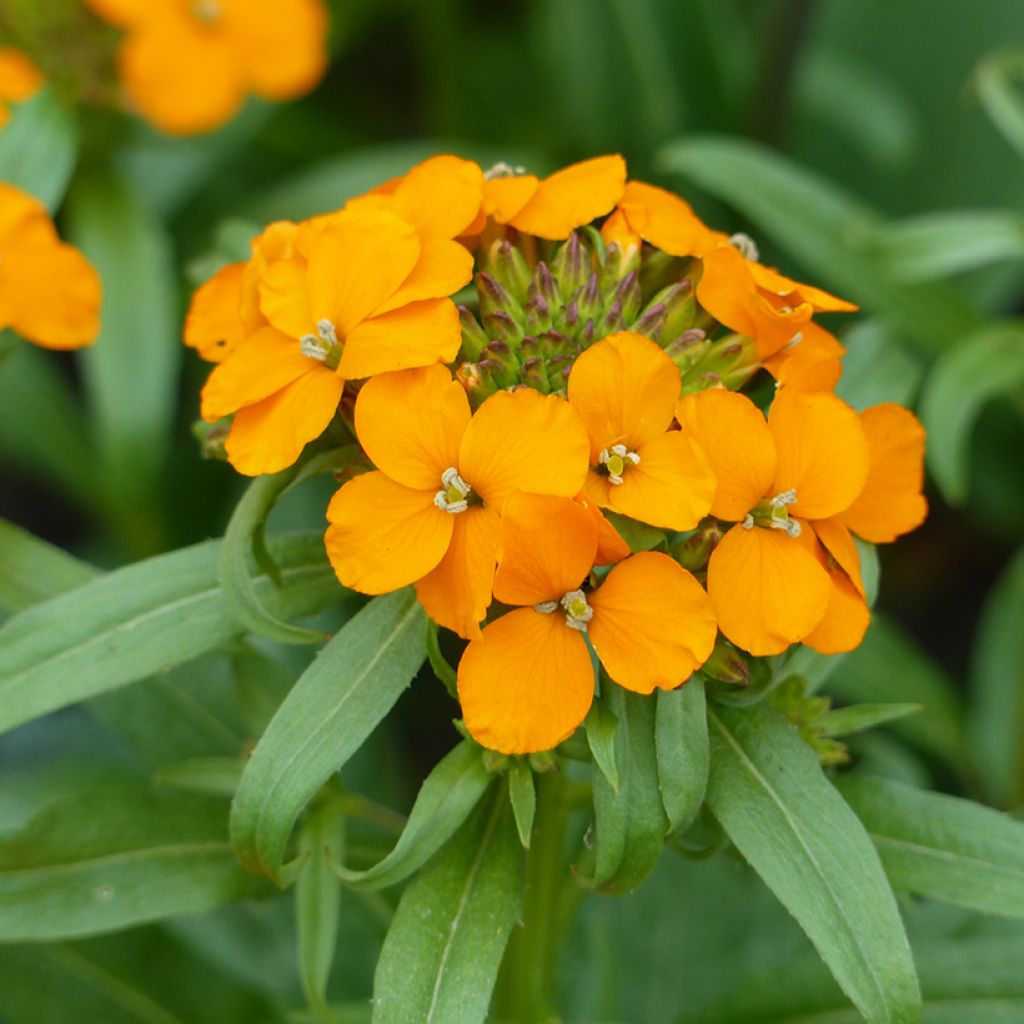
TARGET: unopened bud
(501,327)
(474,337)
(693,552)
(727,665)
(509,268)
(494,298)
(571,265)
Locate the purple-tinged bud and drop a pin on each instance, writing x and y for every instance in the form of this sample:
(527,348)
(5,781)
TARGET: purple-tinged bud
(494,298)
(651,321)
(533,374)
(627,297)
(543,284)
(727,665)
(474,337)
(613,319)
(571,264)
(538,314)
(693,552)
(501,327)
(507,264)
(571,314)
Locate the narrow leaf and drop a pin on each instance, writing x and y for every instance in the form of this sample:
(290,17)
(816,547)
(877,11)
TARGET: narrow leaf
(31,570)
(859,717)
(601,726)
(336,704)
(216,776)
(681,739)
(146,617)
(523,796)
(445,800)
(767,789)
(442,952)
(999,79)
(38,148)
(438,662)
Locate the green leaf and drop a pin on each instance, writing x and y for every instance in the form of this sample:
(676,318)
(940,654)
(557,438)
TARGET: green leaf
(215,776)
(131,372)
(601,727)
(115,858)
(445,800)
(941,846)
(822,227)
(998,80)
(438,662)
(261,684)
(130,623)
(318,898)
(31,570)
(38,148)
(987,363)
(337,702)
(996,722)
(859,717)
(639,536)
(442,952)
(876,368)
(523,796)
(629,824)
(681,740)
(768,791)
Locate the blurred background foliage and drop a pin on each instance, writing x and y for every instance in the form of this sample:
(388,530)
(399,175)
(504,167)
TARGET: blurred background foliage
(875,148)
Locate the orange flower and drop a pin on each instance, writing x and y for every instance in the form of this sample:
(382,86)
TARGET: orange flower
(359,295)
(626,390)
(188,64)
(528,681)
(430,513)
(20,79)
(49,292)
(808,462)
(551,208)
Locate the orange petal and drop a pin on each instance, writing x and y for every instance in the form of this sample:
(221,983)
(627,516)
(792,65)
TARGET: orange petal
(891,502)
(213,326)
(666,221)
(504,197)
(732,432)
(457,593)
(382,535)
(128,12)
(419,334)
(767,589)
(626,390)
(269,436)
(611,548)
(256,369)
(795,292)
(19,77)
(284,296)
(846,619)
(411,422)
(653,624)
(823,453)
(524,441)
(358,262)
(548,547)
(527,684)
(616,230)
(442,269)
(440,196)
(838,542)
(572,197)
(812,364)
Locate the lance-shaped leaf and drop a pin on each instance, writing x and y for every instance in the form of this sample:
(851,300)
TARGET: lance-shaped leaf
(335,705)
(138,620)
(38,148)
(442,952)
(115,858)
(998,80)
(941,846)
(681,741)
(31,570)
(771,797)
(446,798)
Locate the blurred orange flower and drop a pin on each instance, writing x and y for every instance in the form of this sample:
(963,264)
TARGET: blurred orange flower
(20,79)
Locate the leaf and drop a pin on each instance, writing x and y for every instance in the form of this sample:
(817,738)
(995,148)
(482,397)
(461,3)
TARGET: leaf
(335,705)
(131,372)
(261,684)
(523,796)
(438,662)
(996,722)
(601,726)
(115,858)
(859,717)
(998,79)
(441,955)
(629,824)
(987,363)
(135,621)
(823,228)
(445,800)
(681,741)
(38,148)
(31,570)
(317,898)
(215,776)
(941,846)
(767,789)
(876,368)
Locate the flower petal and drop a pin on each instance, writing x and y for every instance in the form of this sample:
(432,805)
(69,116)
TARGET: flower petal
(891,502)
(768,589)
(284,296)
(457,592)
(548,546)
(846,619)
(837,540)
(653,624)
(440,196)
(419,334)
(213,326)
(527,684)
(442,269)
(524,441)
(382,535)
(795,292)
(572,197)
(672,486)
(504,197)
(411,422)
(611,548)
(19,77)
(270,435)
(626,390)
(812,364)
(822,450)
(732,433)
(666,221)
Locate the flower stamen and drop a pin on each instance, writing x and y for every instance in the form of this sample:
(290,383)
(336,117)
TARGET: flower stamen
(774,514)
(615,460)
(745,246)
(454,493)
(577,612)
(322,346)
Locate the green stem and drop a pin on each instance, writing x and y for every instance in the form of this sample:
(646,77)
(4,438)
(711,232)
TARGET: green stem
(526,985)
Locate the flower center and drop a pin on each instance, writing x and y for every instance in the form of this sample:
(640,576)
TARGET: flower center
(577,612)
(616,460)
(322,346)
(454,494)
(773,513)
(745,246)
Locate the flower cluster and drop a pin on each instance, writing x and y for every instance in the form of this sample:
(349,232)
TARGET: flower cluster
(564,466)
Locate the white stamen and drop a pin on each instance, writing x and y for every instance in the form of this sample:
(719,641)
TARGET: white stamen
(620,453)
(784,498)
(748,522)
(503,170)
(577,612)
(745,246)
(454,492)
(791,526)
(794,341)
(310,345)
(546,607)
(326,331)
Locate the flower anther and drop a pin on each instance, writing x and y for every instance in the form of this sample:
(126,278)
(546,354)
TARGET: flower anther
(577,611)
(322,346)
(616,460)
(454,494)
